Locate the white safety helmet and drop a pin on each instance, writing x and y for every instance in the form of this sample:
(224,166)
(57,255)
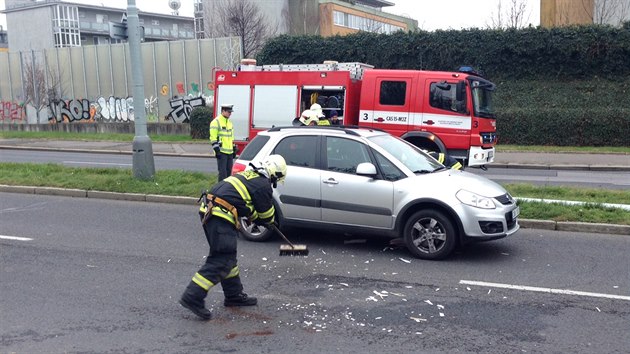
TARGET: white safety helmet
(275,168)
(317,109)
(307,117)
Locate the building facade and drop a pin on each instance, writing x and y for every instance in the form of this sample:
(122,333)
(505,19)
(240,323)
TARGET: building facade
(320,17)
(554,13)
(65,24)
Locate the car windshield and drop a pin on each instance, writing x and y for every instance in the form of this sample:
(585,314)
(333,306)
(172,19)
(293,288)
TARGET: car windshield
(482,98)
(412,157)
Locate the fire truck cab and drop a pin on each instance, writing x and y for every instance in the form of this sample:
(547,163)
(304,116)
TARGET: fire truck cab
(449,112)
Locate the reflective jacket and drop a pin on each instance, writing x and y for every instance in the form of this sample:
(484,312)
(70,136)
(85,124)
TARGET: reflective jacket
(323,122)
(222,134)
(249,192)
(446,160)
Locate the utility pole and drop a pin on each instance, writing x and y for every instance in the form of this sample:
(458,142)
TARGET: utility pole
(143,163)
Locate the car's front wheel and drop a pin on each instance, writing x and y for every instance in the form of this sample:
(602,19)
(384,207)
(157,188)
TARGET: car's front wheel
(253,232)
(429,234)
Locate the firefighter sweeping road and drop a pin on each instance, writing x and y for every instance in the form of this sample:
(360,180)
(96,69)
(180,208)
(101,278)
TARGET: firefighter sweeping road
(105,276)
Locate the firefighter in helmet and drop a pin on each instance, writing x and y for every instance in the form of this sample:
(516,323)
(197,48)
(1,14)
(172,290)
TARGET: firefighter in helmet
(248,193)
(319,113)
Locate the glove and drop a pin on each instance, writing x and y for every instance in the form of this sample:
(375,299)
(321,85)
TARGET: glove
(216,150)
(235,151)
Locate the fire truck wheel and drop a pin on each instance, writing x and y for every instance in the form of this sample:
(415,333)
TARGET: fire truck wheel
(253,232)
(429,234)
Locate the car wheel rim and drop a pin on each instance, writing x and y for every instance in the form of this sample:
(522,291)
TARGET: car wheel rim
(428,235)
(251,228)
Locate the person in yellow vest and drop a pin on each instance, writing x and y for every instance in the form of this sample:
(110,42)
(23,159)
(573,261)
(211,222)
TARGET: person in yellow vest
(319,113)
(446,160)
(222,140)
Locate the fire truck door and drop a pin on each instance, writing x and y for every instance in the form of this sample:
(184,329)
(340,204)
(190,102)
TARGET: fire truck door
(239,96)
(390,106)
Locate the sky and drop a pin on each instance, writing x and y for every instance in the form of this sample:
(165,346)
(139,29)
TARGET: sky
(430,14)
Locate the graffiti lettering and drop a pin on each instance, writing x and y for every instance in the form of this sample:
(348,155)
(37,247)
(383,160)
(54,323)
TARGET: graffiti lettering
(11,112)
(115,109)
(181,108)
(62,111)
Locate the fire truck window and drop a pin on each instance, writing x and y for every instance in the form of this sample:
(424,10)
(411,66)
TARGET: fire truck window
(393,93)
(444,96)
(298,150)
(344,155)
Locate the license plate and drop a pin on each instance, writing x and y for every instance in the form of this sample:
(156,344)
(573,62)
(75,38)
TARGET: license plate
(515,212)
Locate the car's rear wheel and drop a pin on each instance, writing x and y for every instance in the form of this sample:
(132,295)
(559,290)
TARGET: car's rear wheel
(429,234)
(253,232)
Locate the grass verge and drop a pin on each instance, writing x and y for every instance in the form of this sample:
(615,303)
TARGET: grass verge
(184,183)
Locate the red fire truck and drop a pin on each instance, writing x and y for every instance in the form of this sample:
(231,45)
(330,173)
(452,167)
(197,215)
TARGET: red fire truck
(449,112)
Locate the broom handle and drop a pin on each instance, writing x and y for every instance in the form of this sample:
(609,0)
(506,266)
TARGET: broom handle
(277,230)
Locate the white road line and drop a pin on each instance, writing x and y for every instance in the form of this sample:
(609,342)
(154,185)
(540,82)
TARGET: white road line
(15,238)
(543,290)
(96,163)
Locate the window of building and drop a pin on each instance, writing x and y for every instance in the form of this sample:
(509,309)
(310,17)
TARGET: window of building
(66,32)
(363,24)
(155,22)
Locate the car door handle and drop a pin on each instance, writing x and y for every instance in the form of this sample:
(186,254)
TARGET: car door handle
(330,181)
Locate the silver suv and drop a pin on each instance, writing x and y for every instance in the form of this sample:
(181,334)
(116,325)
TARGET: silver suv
(359,180)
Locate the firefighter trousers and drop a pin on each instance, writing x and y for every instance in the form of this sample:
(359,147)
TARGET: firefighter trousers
(220,266)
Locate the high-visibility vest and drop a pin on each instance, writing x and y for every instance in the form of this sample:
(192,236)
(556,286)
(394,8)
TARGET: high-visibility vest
(222,134)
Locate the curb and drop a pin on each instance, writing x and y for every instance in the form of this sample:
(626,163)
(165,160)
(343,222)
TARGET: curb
(153,198)
(600,168)
(100,151)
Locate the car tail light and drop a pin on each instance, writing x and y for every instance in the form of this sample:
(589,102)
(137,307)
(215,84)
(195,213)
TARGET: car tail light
(238,167)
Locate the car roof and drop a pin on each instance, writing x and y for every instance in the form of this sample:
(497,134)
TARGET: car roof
(328,129)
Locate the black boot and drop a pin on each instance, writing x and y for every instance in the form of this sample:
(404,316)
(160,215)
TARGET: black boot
(192,299)
(240,299)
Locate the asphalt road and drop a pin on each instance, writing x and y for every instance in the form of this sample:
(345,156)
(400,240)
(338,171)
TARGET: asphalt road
(99,276)
(591,179)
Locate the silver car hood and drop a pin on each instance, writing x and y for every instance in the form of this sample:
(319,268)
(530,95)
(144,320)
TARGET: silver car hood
(454,180)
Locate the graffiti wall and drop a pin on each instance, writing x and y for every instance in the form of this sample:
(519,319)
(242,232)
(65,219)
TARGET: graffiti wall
(52,86)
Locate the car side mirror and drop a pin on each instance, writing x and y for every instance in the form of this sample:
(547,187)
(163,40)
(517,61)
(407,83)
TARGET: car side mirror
(366,169)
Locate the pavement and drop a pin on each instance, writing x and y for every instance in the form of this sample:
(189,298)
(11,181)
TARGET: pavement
(503,159)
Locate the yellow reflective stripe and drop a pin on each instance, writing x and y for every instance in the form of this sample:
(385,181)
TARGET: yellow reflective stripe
(240,188)
(441,158)
(202,282)
(216,211)
(233,273)
(267,214)
(457,166)
(254,215)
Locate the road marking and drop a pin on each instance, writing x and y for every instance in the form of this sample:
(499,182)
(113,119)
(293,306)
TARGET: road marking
(15,238)
(544,290)
(96,163)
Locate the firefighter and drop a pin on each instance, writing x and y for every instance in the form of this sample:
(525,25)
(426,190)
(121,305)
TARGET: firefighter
(306,118)
(248,193)
(446,160)
(222,140)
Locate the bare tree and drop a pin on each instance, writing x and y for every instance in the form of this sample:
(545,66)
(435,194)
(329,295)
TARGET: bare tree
(514,16)
(612,12)
(305,11)
(40,89)
(242,18)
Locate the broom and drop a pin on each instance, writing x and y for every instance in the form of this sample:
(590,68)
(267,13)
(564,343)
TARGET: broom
(290,249)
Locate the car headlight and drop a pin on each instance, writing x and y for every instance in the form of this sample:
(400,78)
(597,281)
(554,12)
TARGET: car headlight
(476,200)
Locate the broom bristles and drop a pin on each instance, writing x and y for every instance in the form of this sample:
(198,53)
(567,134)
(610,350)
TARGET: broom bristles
(295,250)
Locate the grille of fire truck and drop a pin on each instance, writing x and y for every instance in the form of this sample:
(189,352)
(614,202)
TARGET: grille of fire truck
(356,69)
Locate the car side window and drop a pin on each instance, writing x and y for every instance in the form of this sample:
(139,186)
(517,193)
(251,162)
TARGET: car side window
(389,170)
(344,155)
(298,150)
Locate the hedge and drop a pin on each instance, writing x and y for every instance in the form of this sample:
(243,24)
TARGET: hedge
(200,119)
(565,52)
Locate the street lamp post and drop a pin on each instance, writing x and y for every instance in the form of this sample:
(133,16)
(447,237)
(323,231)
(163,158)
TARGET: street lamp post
(143,164)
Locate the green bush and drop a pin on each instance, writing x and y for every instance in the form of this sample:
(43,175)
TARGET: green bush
(564,52)
(200,118)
